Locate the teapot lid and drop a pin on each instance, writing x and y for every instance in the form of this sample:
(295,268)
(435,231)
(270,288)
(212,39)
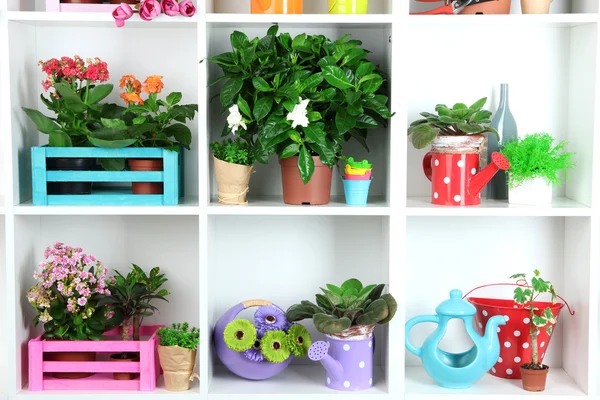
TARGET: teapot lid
(455,306)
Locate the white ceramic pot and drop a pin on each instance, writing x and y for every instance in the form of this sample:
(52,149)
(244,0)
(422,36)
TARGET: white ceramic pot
(534,192)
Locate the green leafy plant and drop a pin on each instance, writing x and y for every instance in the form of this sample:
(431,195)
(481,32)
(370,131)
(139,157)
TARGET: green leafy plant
(536,156)
(303,96)
(131,297)
(545,319)
(233,151)
(459,120)
(338,308)
(180,335)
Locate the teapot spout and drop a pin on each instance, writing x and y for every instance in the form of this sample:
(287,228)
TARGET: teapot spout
(499,162)
(318,352)
(491,341)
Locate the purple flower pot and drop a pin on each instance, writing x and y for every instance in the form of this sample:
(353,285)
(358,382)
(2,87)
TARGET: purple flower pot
(237,362)
(349,362)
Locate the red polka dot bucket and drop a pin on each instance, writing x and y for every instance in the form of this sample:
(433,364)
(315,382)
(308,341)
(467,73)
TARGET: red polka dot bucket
(514,337)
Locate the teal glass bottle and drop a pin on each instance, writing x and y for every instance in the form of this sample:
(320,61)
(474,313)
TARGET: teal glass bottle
(505,124)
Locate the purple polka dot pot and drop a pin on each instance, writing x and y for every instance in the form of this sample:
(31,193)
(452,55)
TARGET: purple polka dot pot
(348,360)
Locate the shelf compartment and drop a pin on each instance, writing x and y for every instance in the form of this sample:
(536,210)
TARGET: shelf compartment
(313,20)
(97,19)
(309,7)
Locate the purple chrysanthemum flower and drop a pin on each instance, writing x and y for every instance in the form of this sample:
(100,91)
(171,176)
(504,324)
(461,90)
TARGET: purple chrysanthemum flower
(254,353)
(270,318)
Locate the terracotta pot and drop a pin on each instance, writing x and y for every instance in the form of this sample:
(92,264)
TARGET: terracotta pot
(232,181)
(535,6)
(129,357)
(71,356)
(534,380)
(316,191)
(490,7)
(152,164)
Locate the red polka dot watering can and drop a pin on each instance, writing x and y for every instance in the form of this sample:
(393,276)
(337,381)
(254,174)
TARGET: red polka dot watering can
(452,166)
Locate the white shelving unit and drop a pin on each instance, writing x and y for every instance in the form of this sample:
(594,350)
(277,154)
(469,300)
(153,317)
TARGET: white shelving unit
(216,256)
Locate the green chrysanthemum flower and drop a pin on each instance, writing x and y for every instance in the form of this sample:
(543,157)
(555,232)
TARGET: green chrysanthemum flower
(240,335)
(298,340)
(274,347)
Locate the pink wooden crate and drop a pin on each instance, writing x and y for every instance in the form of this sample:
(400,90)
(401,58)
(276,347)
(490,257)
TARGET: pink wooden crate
(57,6)
(148,367)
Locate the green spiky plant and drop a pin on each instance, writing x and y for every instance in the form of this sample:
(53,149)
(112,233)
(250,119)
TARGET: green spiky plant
(459,120)
(339,308)
(233,151)
(536,156)
(526,296)
(180,335)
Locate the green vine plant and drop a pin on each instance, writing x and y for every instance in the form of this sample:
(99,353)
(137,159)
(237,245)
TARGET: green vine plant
(180,334)
(233,151)
(536,156)
(526,297)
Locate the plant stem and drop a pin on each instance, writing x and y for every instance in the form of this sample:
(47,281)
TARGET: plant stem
(136,327)
(87,90)
(533,332)
(126,330)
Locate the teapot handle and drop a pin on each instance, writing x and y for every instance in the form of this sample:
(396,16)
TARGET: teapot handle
(410,324)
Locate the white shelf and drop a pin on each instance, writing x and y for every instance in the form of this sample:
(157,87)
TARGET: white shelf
(296,382)
(244,20)
(70,19)
(502,21)
(561,207)
(187,206)
(274,205)
(559,386)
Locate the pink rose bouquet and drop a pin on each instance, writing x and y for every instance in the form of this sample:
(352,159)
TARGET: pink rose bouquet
(150,9)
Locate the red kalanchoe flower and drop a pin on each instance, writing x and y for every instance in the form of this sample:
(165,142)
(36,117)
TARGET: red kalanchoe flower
(47,84)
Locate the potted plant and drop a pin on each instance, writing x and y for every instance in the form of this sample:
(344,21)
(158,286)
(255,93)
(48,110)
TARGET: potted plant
(456,136)
(357,180)
(534,374)
(535,6)
(177,354)
(68,300)
(131,297)
(301,98)
(75,96)
(233,161)
(536,165)
(347,316)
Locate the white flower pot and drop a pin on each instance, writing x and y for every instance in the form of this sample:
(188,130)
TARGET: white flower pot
(534,192)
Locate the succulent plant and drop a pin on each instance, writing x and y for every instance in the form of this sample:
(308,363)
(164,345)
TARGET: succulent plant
(459,120)
(338,308)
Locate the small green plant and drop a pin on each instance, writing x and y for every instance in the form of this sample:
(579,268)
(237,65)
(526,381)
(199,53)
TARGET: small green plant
(180,335)
(535,156)
(459,120)
(526,296)
(233,151)
(338,308)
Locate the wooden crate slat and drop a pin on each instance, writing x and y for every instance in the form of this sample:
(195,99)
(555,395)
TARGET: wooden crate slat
(105,176)
(97,152)
(94,382)
(105,200)
(91,366)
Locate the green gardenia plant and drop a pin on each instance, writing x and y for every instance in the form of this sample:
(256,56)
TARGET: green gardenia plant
(459,120)
(180,335)
(303,96)
(233,151)
(536,156)
(339,308)
(526,296)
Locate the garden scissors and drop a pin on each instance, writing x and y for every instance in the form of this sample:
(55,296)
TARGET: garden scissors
(450,7)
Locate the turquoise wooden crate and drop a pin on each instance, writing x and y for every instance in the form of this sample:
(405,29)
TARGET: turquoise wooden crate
(171,176)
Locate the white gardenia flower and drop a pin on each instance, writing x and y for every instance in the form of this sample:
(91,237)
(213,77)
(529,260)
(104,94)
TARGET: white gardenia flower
(298,114)
(235,119)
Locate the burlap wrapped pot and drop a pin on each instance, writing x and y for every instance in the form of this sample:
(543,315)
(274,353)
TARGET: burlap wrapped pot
(178,365)
(232,181)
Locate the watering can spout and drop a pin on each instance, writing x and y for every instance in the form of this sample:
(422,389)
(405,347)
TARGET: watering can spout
(318,352)
(477,183)
(491,340)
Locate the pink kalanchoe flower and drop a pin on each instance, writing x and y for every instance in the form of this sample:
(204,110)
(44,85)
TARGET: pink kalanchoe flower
(82,301)
(187,8)
(149,9)
(170,7)
(121,14)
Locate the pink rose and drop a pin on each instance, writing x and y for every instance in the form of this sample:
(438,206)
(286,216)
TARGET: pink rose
(170,7)
(149,9)
(121,14)
(187,8)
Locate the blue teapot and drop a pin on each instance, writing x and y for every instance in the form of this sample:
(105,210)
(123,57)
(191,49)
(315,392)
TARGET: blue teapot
(457,371)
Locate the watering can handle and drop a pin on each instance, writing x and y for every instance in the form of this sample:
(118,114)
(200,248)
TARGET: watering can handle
(520,283)
(427,165)
(410,324)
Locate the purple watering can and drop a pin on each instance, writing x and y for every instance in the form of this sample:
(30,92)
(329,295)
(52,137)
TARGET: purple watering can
(347,357)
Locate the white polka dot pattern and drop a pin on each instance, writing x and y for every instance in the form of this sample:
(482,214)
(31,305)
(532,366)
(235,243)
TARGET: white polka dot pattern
(436,163)
(525,345)
(361,364)
(346,384)
(446,180)
(517,359)
(485,313)
(509,371)
(507,344)
(457,198)
(346,347)
(517,333)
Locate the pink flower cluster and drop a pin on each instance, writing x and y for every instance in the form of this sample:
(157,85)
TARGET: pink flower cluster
(73,69)
(67,271)
(150,9)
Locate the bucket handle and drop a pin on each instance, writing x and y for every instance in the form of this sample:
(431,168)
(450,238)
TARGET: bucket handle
(520,283)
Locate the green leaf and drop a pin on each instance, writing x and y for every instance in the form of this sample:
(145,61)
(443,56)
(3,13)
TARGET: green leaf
(442,110)
(263,107)
(314,116)
(378,107)
(372,85)
(549,316)
(480,116)
(549,330)
(224,59)
(522,296)
(469,128)
(290,150)
(71,99)
(43,123)
(299,42)
(354,284)
(181,133)
(539,321)
(230,89)
(330,325)
(59,139)
(139,120)
(244,107)
(344,121)
(517,276)
(239,40)
(478,105)
(174,98)
(365,121)
(325,61)
(288,92)
(422,135)
(112,164)
(353,57)
(261,85)
(450,120)
(311,82)
(113,123)
(335,289)
(99,93)
(539,285)
(336,77)
(364,69)
(110,138)
(306,165)
(460,106)
(352,96)
(78,320)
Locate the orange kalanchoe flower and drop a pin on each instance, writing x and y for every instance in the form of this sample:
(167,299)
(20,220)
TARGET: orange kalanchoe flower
(153,84)
(132,98)
(131,83)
